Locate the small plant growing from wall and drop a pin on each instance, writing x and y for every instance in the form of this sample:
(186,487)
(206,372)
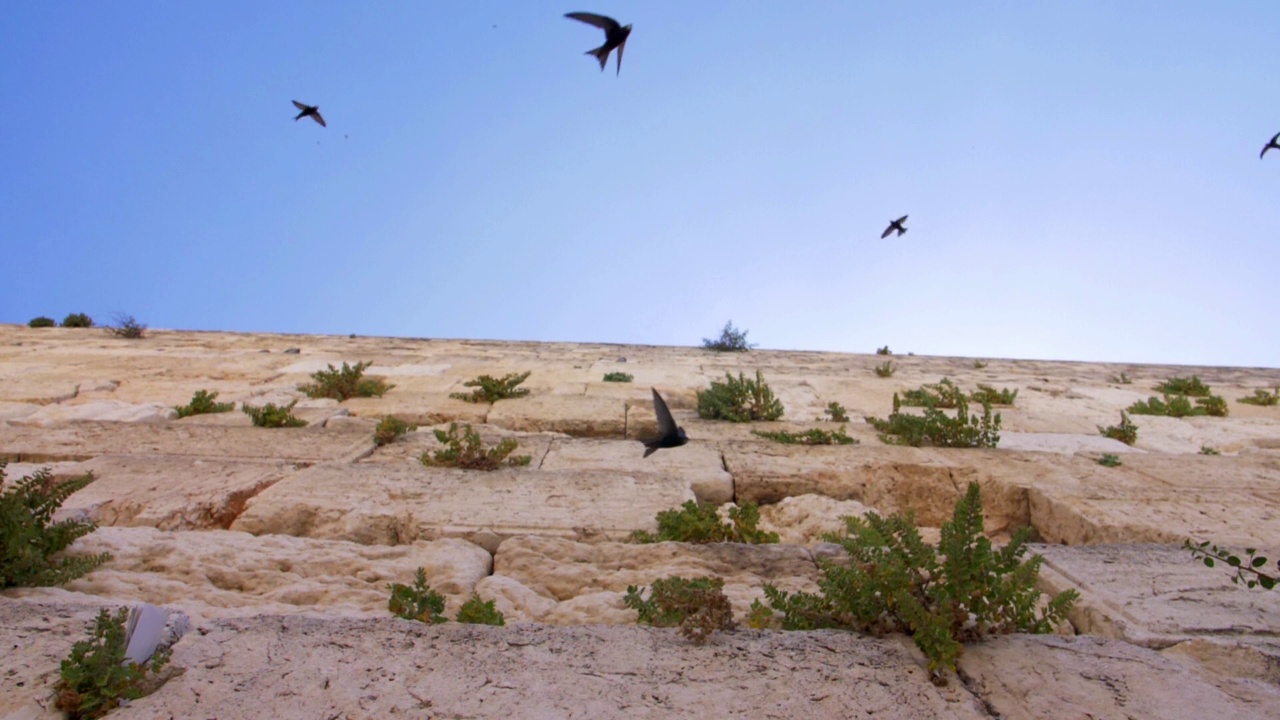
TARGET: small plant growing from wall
(203,402)
(943,394)
(418,601)
(884,351)
(480,612)
(1183,386)
(42,321)
(886,369)
(389,428)
(836,412)
(1126,432)
(1109,460)
(961,591)
(938,429)
(980,364)
(97,677)
(991,396)
(125,326)
(739,400)
(697,606)
(618,377)
(731,340)
(1206,450)
(1121,379)
(347,382)
(77,320)
(1248,570)
(29,538)
(699,523)
(468,452)
(1262,397)
(814,436)
(273,416)
(491,390)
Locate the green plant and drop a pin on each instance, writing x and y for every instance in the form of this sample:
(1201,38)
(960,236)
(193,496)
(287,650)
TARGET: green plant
(943,394)
(1180,406)
(29,538)
(1246,571)
(1109,460)
(1214,405)
(620,377)
(814,436)
(988,394)
(1262,397)
(467,452)
(125,326)
(886,369)
(938,429)
(418,602)
(960,591)
(1206,450)
(480,612)
(698,523)
(97,677)
(347,382)
(203,402)
(1183,386)
(1126,432)
(273,416)
(77,320)
(42,321)
(979,365)
(884,351)
(1121,379)
(389,428)
(835,412)
(494,389)
(739,400)
(698,606)
(731,340)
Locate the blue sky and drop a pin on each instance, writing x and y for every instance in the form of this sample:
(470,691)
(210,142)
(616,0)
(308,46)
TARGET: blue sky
(1082,177)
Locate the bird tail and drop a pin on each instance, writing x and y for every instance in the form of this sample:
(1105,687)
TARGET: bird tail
(649,450)
(601,54)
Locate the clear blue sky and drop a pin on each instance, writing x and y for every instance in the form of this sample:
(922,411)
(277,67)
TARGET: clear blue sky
(1082,177)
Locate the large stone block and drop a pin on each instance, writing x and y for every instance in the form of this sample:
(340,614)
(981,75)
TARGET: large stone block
(577,415)
(698,464)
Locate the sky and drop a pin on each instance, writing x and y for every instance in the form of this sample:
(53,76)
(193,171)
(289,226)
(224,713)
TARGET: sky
(1081,176)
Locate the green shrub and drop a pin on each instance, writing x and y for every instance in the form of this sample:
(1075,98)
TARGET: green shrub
(128,328)
(203,402)
(347,382)
(42,321)
(480,612)
(1214,405)
(491,390)
(77,320)
(618,377)
(835,412)
(97,677)
(1206,450)
(731,340)
(1183,386)
(979,365)
(467,452)
(739,400)
(698,523)
(989,395)
(418,602)
(960,591)
(1246,571)
(273,416)
(938,429)
(886,369)
(29,538)
(944,394)
(1109,460)
(1126,432)
(1180,406)
(1262,397)
(389,428)
(814,436)
(697,606)
(1121,379)
(884,351)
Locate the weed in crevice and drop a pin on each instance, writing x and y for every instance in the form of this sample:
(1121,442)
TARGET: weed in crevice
(836,412)
(980,365)
(273,416)
(1262,397)
(1109,460)
(345,382)
(1121,379)
(943,394)
(731,340)
(125,326)
(989,395)
(29,538)
(884,351)
(1247,570)
(698,606)
(618,377)
(699,523)
(1126,432)
(389,428)
(1206,450)
(491,389)
(203,402)
(480,612)
(97,677)
(1183,386)
(886,369)
(468,452)
(77,320)
(938,429)
(814,436)
(417,602)
(739,400)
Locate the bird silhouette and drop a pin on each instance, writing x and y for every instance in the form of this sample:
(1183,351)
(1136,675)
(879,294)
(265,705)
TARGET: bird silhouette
(1275,143)
(669,434)
(311,111)
(615,36)
(895,225)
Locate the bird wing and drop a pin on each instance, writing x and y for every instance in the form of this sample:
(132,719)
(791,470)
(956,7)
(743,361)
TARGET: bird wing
(1275,143)
(606,24)
(886,232)
(319,119)
(900,220)
(299,105)
(666,423)
(621,47)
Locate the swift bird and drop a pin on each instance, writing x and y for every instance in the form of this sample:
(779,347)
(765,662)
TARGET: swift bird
(1275,143)
(615,36)
(311,111)
(895,225)
(669,434)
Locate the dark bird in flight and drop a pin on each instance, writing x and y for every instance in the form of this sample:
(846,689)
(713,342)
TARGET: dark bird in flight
(895,225)
(669,435)
(615,36)
(1275,143)
(312,111)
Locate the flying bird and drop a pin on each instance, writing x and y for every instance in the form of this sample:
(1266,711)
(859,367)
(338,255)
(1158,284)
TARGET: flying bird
(615,36)
(669,435)
(894,225)
(311,111)
(1275,143)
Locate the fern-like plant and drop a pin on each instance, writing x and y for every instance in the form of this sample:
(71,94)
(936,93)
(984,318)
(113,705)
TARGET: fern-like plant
(468,452)
(97,677)
(30,539)
(739,400)
(699,523)
(273,416)
(490,389)
(203,402)
(345,382)
(961,591)
(697,606)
